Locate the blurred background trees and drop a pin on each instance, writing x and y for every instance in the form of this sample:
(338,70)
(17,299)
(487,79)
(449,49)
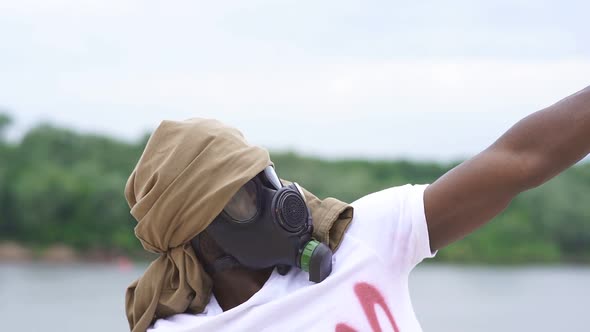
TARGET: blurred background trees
(60,186)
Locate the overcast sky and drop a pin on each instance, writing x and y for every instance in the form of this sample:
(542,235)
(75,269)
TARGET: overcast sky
(378,79)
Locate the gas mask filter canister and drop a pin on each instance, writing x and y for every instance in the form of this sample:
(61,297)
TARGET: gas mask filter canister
(266,224)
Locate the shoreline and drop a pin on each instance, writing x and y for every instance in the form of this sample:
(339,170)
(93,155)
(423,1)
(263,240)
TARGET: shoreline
(13,252)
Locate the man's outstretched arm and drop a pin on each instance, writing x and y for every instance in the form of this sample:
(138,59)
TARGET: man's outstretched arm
(533,151)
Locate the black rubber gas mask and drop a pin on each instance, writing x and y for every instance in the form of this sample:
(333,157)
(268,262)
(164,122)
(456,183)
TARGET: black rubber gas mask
(266,224)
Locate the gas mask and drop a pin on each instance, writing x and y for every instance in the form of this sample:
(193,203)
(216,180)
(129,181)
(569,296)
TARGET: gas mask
(266,224)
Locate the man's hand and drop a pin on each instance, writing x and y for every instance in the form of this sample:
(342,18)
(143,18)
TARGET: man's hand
(533,151)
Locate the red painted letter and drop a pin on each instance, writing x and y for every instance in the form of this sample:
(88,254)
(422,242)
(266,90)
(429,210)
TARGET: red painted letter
(369,297)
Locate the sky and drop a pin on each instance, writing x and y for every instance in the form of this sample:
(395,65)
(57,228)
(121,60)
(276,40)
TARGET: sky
(422,80)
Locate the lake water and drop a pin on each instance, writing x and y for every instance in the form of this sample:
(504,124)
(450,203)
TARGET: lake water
(38,297)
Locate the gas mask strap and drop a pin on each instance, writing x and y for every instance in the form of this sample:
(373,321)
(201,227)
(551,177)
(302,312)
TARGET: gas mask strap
(301,192)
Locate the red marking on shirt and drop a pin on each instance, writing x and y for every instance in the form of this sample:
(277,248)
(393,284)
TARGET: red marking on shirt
(370,297)
(341,327)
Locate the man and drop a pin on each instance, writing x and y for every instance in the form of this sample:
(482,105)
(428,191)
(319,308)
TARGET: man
(278,258)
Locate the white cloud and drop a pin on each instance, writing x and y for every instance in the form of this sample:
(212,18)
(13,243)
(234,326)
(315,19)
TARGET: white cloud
(448,72)
(67,7)
(468,86)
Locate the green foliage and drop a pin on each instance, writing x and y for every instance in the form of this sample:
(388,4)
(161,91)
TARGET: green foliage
(548,224)
(5,157)
(66,187)
(5,121)
(351,179)
(57,185)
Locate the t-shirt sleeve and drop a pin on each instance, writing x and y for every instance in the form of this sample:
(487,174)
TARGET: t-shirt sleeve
(392,222)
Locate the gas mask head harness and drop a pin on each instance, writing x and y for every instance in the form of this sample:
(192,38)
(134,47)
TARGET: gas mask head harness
(266,224)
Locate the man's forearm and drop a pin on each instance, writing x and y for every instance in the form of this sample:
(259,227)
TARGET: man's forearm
(551,140)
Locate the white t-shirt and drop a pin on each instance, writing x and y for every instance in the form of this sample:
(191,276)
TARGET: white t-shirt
(366,291)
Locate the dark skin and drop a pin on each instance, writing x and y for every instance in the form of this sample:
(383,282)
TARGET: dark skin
(533,151)
(234,287)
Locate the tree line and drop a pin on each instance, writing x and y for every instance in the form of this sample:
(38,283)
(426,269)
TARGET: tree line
(61,186)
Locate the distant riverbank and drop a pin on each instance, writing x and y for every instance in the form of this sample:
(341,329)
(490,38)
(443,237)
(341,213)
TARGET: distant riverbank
(61,199)
(14,252)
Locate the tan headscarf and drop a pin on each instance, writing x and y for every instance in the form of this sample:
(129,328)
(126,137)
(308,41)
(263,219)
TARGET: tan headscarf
(188,172)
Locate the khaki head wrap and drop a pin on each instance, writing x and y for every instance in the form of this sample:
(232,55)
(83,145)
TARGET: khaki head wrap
(188,172)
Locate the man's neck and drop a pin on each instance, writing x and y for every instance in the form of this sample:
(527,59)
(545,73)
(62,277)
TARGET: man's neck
(235,286)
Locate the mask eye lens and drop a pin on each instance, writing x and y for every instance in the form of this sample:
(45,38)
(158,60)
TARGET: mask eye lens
(242,206)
